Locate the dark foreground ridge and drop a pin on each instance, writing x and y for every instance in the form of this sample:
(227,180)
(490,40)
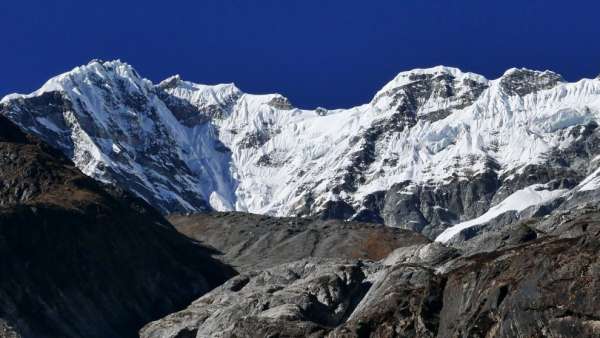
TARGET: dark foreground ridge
(80,259)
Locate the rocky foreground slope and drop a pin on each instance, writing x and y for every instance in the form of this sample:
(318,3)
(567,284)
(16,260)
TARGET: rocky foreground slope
(434,148)
(80,259)
(539,279)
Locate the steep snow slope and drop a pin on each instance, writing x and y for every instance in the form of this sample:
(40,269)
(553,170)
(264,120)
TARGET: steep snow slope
(115,128)
(436,131)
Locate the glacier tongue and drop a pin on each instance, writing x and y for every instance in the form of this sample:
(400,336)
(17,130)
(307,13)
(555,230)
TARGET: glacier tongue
(189,147)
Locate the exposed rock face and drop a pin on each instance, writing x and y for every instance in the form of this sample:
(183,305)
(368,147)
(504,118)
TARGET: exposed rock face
(300,299)
(81,259)
(255,242)
(524,81)
(547,288)
(430,209)
(404,302)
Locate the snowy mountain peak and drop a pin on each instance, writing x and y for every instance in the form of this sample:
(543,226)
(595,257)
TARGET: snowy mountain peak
(430,93)
(523,70)
(103,76)
(194,103)
(185,146)
(170,82)
(411,76)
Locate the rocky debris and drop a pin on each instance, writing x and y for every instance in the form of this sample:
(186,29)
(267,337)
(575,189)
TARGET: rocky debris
(255,242)
(82,259)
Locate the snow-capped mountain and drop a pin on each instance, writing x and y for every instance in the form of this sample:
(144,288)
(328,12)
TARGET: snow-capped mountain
(434,148)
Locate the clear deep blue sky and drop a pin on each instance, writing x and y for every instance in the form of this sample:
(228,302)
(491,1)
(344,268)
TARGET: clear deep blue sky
(316,52)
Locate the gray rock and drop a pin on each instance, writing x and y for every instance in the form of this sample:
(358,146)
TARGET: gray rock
(298,299)
(431,209)
(281,102)
(545,288)
(404,302)
(427,255)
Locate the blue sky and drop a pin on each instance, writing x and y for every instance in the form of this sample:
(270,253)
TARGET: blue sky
(317,53)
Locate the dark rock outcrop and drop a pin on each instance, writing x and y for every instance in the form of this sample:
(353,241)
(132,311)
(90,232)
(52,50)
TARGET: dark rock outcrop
(524,81)
(546,288)
(430,209)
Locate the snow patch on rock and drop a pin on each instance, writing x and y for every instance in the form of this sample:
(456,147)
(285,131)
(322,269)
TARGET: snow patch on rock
(518,201)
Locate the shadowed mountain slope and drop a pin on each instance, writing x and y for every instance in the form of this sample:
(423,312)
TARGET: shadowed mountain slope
(81,259)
